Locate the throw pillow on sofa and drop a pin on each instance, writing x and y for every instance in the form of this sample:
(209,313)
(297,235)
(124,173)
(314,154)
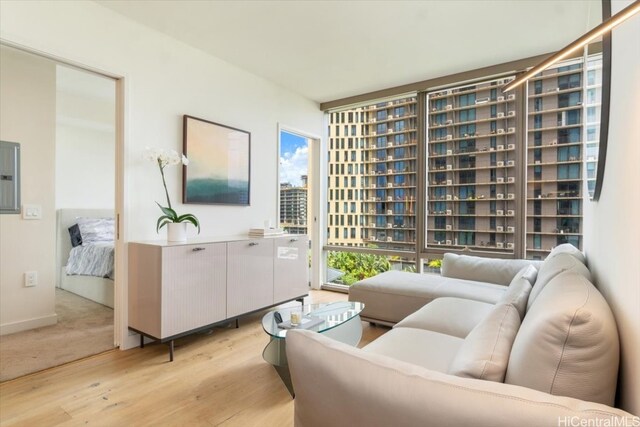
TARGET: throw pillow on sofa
(517,294)
(484,354)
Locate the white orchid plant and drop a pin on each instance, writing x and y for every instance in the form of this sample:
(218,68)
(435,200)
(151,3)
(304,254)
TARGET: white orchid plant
(164,158)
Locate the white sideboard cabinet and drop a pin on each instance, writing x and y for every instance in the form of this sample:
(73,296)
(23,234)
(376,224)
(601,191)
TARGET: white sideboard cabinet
(177,288)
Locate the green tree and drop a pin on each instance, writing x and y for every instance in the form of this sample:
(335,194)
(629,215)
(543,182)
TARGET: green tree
(357,266)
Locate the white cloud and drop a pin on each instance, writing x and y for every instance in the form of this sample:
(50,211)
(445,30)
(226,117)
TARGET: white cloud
(293,165)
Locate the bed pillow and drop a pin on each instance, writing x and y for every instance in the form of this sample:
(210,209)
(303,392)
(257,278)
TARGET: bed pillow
(76,236)
(94,230)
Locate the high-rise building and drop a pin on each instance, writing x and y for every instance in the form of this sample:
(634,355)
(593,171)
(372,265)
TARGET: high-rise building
(372,175)
(471,178)
(591,134)
(481,192)
(293,207)
(390,183)
(563,104)
(346,169)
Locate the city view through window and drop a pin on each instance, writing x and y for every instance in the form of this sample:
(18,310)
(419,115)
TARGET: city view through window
(295,195)
(503,176)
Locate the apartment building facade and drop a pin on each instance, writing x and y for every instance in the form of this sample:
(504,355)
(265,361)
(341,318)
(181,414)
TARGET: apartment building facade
(562,103)
(294,207)
(372,176)
(502,173)
(471,172)
(346,169)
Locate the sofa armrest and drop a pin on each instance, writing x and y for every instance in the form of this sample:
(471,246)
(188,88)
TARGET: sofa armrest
(490,270)
(338,385)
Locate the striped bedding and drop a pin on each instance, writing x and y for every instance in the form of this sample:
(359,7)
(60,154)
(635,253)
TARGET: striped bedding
(94,259)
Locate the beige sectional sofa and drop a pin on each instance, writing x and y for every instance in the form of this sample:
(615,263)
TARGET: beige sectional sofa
(487,343)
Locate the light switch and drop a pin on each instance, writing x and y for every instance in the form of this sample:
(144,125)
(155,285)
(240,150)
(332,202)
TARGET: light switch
(31,212)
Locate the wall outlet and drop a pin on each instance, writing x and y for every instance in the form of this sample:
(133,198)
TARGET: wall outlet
(30,278)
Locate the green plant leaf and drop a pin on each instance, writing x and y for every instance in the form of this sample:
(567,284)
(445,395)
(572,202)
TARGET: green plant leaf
(162,221)
(168,212)
(189,218)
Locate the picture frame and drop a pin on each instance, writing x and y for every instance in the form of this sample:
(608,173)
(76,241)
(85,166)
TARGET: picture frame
(219,166)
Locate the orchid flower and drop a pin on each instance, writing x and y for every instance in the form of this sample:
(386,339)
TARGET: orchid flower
(164,158)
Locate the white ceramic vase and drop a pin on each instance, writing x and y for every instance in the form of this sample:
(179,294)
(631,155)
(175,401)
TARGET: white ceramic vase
(177,232)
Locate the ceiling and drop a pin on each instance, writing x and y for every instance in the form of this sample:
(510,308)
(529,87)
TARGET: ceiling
(327,50)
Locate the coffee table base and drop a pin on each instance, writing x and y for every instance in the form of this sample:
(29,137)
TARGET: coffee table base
(275,352)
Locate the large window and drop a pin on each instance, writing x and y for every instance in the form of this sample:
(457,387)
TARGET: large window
(478,183)
(384,159)
(473,183)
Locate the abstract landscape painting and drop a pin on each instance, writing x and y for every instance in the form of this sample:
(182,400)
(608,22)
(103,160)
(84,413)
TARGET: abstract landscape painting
(219,163)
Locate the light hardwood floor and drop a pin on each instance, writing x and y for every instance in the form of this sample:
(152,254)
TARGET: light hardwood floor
(218,379)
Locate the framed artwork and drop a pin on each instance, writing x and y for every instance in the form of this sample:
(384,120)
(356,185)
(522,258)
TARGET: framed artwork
(219,163)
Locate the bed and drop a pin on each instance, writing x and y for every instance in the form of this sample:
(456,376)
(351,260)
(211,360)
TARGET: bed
(98,289)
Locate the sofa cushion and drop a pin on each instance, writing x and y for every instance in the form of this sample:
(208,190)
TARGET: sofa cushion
(451,316)
(428,349)
(518,291)
(393,295)
(553,266)
(485,352)
(490,270)
(568,248)
(568,343)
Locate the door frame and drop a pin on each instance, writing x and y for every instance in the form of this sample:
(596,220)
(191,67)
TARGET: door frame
(121,335)
(314,174)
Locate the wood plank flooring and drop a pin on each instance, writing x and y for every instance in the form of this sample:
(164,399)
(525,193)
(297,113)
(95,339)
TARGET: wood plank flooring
(217,379)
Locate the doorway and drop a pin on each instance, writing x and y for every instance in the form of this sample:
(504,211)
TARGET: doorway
(64,119)
(298,165)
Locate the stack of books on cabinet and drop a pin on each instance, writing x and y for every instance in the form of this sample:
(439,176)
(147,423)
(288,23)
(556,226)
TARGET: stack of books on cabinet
(265,232)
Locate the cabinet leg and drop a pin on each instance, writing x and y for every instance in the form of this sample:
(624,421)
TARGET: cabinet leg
(141,341)
(237,324)
(171,351)
(300,300)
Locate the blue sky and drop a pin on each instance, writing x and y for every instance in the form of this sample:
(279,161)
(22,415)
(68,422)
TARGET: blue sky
(294,152)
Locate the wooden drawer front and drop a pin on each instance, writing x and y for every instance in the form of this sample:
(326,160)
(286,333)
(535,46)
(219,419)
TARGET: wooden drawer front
(194,286)
(291,268)
(249,275)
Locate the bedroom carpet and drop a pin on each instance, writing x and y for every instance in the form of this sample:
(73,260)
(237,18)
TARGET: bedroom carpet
(84,328)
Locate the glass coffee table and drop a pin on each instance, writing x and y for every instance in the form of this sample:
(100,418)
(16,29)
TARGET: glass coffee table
(338,320)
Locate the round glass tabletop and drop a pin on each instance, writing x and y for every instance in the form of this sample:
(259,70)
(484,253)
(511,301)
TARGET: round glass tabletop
(315,317)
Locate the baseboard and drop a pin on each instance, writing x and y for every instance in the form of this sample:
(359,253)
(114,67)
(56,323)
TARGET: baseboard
(25,325)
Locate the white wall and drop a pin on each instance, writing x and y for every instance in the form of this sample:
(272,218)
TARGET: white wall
(612,224)
(85,168)
(27,116)
(85,140)
(165,79)
(168,79)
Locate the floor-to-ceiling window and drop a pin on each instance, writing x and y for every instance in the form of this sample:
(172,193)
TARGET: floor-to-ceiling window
(498,174)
